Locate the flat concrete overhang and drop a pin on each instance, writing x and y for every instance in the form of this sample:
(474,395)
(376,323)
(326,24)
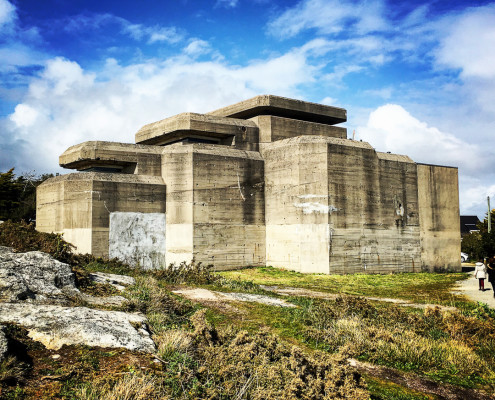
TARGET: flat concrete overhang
(190,125)
(111,154)
(283,107)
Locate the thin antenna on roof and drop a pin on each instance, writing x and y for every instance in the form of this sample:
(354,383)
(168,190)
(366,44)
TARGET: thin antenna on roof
(489,215)
(353,134)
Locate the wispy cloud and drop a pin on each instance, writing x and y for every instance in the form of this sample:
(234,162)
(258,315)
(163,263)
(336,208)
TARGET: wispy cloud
(150,34)
(8,15)
(227,3)
(329,17)
(468,44)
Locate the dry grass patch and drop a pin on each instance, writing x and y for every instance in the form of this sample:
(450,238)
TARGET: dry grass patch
(130,387)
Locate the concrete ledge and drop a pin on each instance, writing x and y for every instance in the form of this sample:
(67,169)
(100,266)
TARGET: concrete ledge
(105,177)
(190,124)
(278,128)
(317,139)
(283,107)
(219,151)
(111,154)
(394,157)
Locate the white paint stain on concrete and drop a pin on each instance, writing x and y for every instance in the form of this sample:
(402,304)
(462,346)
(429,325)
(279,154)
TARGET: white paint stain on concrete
(240,190)
(312,196)
(138,238)
(315,208)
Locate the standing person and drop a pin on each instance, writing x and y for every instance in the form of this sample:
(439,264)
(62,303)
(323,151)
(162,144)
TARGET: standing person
(480,274)
(491,272)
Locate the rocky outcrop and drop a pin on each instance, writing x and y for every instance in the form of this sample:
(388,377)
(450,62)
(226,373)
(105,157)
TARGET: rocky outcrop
(117,281)
(55,326)
(35,291)
(35,277)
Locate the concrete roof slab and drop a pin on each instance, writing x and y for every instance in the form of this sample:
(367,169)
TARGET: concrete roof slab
(78,156)
(184,124)
(283,107)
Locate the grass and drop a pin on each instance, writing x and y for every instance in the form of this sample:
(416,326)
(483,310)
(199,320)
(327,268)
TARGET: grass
(381,389)
(418,287)
(260,351)
(446,346)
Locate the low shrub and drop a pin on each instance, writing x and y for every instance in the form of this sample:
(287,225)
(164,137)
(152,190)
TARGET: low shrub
(433,342)
(24,237)
(163,309)
(130,387)
(192,272)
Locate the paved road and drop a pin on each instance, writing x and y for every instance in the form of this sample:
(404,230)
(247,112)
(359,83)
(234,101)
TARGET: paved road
(469,287)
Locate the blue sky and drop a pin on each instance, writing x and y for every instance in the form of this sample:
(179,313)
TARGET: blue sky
(417,78)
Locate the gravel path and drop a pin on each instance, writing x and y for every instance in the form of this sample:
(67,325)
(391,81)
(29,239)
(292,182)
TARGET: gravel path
(213,296)
(469,288)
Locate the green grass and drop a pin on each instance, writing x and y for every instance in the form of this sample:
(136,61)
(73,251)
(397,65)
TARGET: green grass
(383,390)
(417,287)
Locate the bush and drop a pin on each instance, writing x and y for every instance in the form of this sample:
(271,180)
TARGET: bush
(24,237)
(187,273)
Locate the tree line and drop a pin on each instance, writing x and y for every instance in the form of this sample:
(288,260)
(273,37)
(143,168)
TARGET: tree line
(18,195)
(482,243)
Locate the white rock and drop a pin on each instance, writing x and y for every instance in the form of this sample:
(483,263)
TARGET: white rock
(117,281)
(55,326)
(34,276)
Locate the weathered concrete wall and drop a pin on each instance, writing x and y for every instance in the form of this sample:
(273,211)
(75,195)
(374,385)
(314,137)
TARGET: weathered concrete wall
(375,227)
(79,205)
(177,173)
(438,194)
(337,206)
(296,192)
(273,128)
(228,207)
(63,205)
(215,205)
(138,238)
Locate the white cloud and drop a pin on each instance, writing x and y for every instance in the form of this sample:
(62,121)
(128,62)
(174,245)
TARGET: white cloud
(329,101)
(8,14)
(66,104)
(473,194)
(468,43)
(329,17)
(392,128)
(197,47)
(278,75)
(152,34)
(24,115)
(160,34)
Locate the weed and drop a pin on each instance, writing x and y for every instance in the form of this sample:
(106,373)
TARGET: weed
(23,237)
(229,363)
(382,390)
(164,310)
(130,387)
(11,370)
(192,272)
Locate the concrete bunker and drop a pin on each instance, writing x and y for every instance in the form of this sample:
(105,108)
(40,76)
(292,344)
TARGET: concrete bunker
(267,181)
